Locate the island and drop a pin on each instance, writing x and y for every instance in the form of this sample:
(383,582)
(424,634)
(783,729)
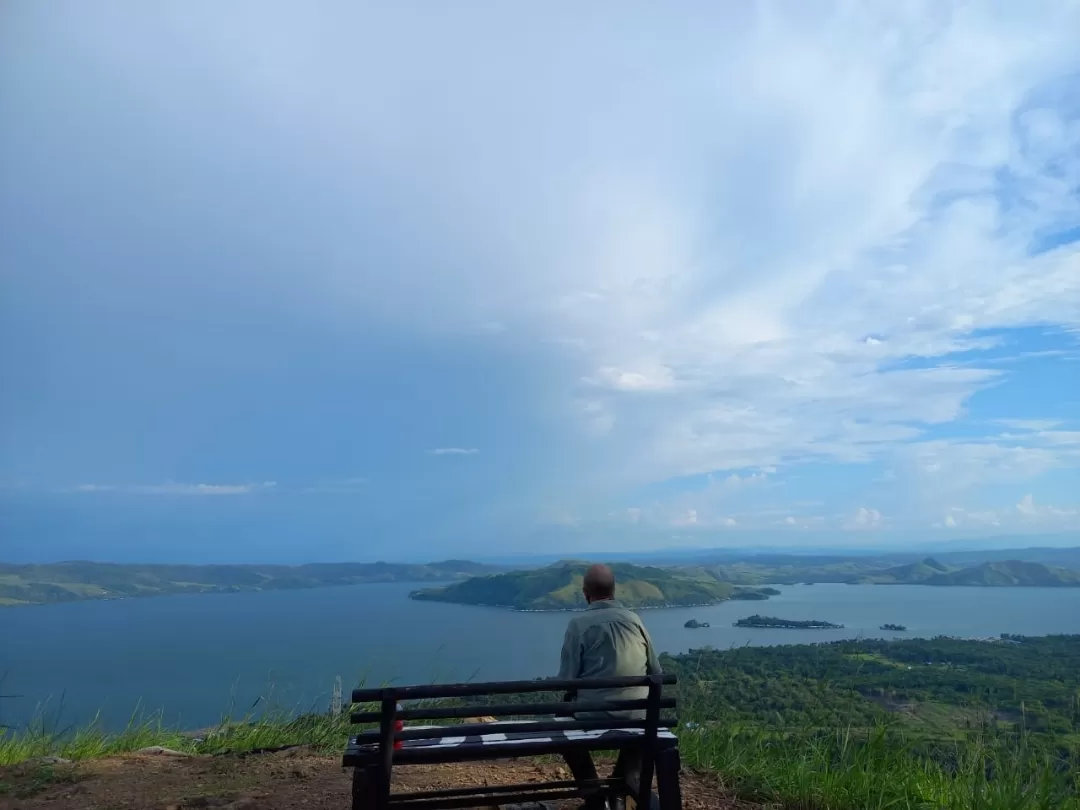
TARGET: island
(558,587)
(791,624)
(896,628)
(752,594)
(694,624)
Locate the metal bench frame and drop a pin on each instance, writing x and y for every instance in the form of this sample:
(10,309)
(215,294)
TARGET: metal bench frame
(373,755)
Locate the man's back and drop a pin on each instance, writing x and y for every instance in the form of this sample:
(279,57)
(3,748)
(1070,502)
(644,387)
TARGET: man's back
(605,641)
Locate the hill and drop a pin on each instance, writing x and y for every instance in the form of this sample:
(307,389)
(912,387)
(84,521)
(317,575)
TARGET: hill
(558,587)
(915,572)
(71,581)
(888,571)
(1009,573)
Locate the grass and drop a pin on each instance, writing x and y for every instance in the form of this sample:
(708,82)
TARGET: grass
(878,769)
(271,730)
(883,768)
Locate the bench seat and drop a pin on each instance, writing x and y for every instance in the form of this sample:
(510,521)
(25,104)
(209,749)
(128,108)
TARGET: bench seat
(488,743)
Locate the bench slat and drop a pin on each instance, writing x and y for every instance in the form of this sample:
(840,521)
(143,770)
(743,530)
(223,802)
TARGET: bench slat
(488,790)
(528,726)
(364,757)
(509,798)
(562,709)
(453,690)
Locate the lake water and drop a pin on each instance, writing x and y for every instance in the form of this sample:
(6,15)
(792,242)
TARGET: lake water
(195,656)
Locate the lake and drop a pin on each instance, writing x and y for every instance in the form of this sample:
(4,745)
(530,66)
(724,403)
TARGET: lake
(197,657)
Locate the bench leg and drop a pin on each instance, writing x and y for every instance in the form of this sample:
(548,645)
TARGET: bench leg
(363,789)
(584,770)
(667,779)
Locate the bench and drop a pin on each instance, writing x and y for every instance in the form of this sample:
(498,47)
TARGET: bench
(536,729)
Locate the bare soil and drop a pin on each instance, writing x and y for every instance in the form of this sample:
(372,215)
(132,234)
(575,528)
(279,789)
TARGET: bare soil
(288,780)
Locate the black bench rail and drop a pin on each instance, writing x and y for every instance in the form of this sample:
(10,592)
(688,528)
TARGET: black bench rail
(534,729)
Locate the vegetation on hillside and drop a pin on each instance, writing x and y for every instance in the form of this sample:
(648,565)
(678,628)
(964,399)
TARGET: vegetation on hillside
(908,725)
(1011,572)
(70,581)
(558,587)
(943,685)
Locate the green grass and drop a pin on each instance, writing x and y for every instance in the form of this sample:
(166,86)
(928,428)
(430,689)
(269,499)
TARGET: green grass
(875,770)
(878,768)
(92,741)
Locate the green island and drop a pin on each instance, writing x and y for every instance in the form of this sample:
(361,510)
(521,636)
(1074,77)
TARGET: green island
(72,581)
(694,624)
(558,587)
(847,725)
(896,628)
(792,624)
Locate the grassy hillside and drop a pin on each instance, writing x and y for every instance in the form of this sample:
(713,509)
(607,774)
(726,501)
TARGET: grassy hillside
(71,581)
(852,725)
(915,572)
(558,587)
(941,686)
(1009,573)
(885,571)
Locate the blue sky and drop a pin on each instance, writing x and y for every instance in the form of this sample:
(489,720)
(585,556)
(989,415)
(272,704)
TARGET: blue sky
(351,281)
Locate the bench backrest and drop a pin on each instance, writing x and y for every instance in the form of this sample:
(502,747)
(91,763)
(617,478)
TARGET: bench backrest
(389,698)
(437,705)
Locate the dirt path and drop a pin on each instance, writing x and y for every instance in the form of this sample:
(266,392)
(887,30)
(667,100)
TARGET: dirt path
(281,781)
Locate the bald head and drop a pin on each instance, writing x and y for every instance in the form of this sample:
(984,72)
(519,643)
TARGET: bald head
(599,583)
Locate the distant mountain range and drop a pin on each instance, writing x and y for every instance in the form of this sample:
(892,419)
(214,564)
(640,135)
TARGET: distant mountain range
(553,587)
(71,581)
(883,571)
(558,586)
(1008,572)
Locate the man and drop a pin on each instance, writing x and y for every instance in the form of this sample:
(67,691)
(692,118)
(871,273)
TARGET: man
(604,641)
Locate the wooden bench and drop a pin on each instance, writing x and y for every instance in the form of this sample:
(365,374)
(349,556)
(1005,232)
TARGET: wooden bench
(550,729)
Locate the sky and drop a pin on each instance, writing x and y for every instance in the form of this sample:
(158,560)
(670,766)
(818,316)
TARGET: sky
(348,281)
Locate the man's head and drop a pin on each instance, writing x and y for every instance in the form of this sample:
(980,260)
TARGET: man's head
(599,584)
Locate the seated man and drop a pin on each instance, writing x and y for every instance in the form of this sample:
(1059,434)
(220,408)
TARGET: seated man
(605,641)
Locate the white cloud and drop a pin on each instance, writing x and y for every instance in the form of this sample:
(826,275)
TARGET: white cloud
(1030,424)
(454,451)
(865,518)
(657,379)
(172,488)
(1030,510)
(753,236)
(759,227)
(687,518)
(176,488)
